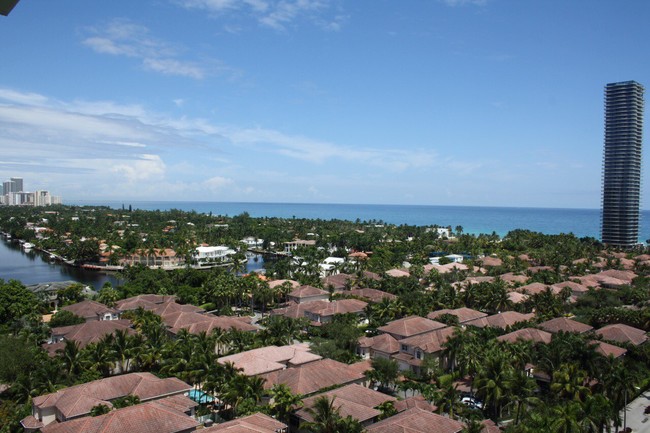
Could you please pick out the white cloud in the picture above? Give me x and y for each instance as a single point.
(149, 167)
(124, 38)
(217, 183)
(275, 14)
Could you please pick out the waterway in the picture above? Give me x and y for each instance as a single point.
(33, 267)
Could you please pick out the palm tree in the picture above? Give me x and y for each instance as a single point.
(523, 390)
(325, 416)
(492, 383)
(566, 418)
(72, 357)
(283, 402)
(570, 382)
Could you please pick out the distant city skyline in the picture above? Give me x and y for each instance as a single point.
(434, 102)
(12, 193)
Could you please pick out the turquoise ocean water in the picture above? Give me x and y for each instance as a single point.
(473, 219)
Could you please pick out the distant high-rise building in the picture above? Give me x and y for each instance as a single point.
(8, 187)
(18, 184)
(622, 163)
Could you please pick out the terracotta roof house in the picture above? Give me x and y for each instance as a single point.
(621, 333)
(308, 294)
(255, 423)
(147, 417)
(517, 298)
(501, 320)
(147, 302)
(488, 261)
(576, 288)
(86, 333)
(626, 276)
(449, 267)
(513, 278)
(416, 401)
(196, 323)
(527, 334)
(91, 310)
(414, 349)
(271, 358)
(398, 273)
(338, 282)
(161, 258)
(410, 326)
(563, 324)
(353, 400)
(77, 401)
(310, 378)
(373, 296)
(532, 288)
(464, 314)
(416, 420)
(320, 312)
(275, 283)
(607, 350)
(379, 346)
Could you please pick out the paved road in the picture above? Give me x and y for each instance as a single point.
(636, 419)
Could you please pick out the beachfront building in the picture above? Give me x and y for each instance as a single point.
(622, 163)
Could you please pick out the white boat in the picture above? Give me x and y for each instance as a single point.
(28, 246)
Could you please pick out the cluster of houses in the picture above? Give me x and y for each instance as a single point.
(165, 404)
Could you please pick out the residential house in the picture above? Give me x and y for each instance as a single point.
(85, 333)
(215, 254)
(501, 320)
(307, 379)
(409, 327)
(91, 310)
(416, 420)
(527, 334)
(623, 334)
(564, 324)
(77, 401)
(308, 294)
(158, 257)
(379, 346)
(356, 401)
(292, 246)
(373, 296)
(430, 345)
(255, 423)
(156, 416)
(271, 358)
(464, 314)
(321, 312)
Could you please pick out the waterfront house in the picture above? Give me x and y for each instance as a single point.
(158, 257)
(213, 254)
(292, 246)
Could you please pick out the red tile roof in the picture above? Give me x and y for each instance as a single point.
(78, 400)
(255, 423)
(565, 325)
(527, 334)
(410, 326)
(314, 376)
(430, 342)
(149, 417)
(89, 310)
(501, 320)
(91, 332)
(464, 314)
(621, 333)
(352, 400)
(416, 420)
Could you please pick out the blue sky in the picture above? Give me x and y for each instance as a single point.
(443, 102)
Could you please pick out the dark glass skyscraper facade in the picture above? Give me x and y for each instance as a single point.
(622, 163)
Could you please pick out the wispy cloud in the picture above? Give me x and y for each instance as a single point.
(122, 37)
(464, 2)
(275, 14)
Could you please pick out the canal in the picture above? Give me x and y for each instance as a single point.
(33, 267)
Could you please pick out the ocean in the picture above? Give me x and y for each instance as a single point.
(473, 219)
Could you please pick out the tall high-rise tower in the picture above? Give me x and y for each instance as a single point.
(18, 184)
(622, 163)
